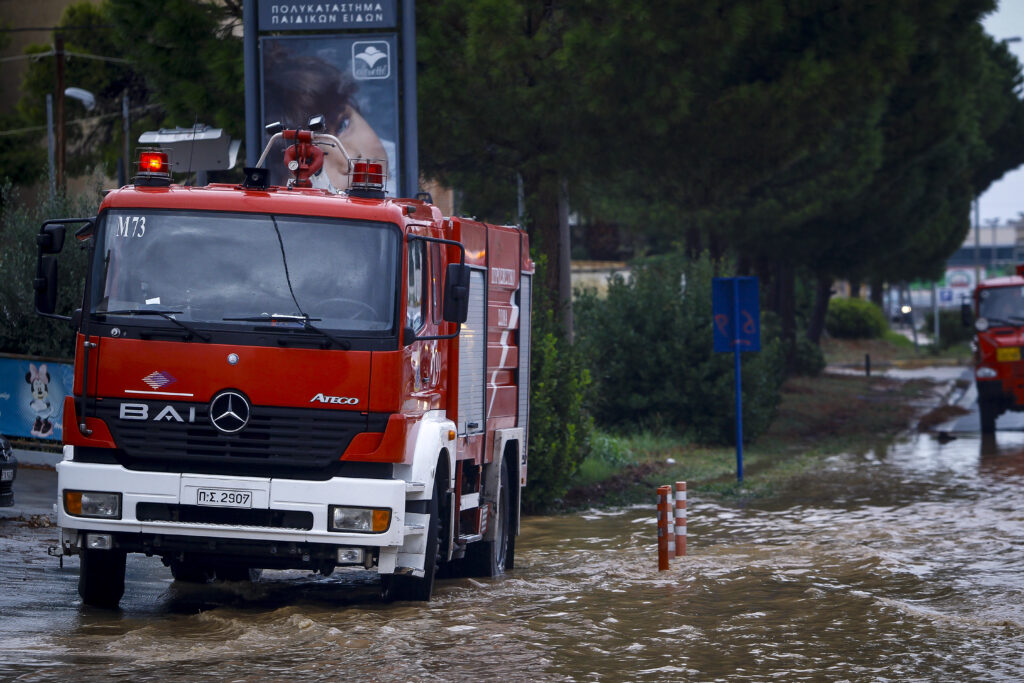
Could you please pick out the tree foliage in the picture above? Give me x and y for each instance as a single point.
(836, 138)
(176, 65)
(21, 330)
(650, 347)
(561, 427)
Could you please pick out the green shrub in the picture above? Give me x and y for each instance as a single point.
(560, 426)
(952, 330)
(649, 344)
(21, 330)
(854, 319)
(808, 358)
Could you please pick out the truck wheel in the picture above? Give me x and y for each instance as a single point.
(101, 578)
(188, 571)
(401, 587)
(492, 558)
(231, 572)
(987, 410)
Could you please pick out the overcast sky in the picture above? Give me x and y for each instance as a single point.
(1005, 198)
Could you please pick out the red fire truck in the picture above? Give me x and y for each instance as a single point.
(998, 317)
(291, 377)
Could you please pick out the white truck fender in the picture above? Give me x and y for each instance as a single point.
(492, 472)
(432, 434)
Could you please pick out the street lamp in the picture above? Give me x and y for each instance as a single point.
(83, 96)
(88, 100)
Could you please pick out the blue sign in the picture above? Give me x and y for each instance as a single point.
(736, 313)
(32, 397)
(286, 15)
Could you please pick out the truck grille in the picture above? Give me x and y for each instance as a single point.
(275, 439)
(193, 514)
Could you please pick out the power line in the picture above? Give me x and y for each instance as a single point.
(88, 119)
(55, 28)
(51, 53)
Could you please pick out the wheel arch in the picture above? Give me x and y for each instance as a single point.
(509, 449)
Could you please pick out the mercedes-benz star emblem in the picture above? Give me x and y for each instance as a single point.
(229, 411)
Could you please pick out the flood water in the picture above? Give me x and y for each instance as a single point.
(905, 564)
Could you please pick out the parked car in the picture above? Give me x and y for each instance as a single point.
(8, 471)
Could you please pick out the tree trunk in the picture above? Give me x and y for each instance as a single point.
(786, 291)
(877, 291)
(565, 259)
(694, 244)
(816, 325)
(547, 203)
(786, 301)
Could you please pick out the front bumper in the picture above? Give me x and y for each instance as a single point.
(160, 514)
(8, 473)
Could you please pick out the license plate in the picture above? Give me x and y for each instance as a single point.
(231, 498)
(1008, 354)
(6, 475)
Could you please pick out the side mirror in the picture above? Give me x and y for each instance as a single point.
(456, 293)
(45, 285)
(50, 239)
(966, 314)
(85, 233)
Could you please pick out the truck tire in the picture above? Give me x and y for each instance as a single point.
(492, 558)
(402, 587)
(101, 578)
(189, 571)
(231, 572)
(987, 411)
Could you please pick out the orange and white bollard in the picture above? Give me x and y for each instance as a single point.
(670, 530)
(663, 527)
(680, 519)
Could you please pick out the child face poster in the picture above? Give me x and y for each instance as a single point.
(352, 80)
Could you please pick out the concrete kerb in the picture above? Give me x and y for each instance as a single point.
(47, 459)
(956, 385)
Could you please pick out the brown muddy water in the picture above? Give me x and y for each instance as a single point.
(897, 565)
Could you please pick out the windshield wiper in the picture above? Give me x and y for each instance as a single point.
(1009, 321)
(303, 320)
(167, 315)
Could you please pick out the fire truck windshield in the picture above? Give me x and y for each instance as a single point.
(227, 268)
(1002, 304)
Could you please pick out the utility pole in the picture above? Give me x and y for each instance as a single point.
(59, 102)
(126, 125)
(50, 146)
(977, 242)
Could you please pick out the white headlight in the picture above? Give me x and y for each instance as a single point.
(986, 373)
(981, 324)
(361, 520)
(92, 504)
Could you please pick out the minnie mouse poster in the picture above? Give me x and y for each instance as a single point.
(39, 380)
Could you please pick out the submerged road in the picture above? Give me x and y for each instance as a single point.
(901, 562)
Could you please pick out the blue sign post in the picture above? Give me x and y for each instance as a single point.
(736, 312)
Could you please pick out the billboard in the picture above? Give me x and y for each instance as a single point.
(286, 15)
(32, 397)
(353, 81)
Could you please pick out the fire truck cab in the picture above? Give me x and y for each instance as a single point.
(291, 377)
(997, 314)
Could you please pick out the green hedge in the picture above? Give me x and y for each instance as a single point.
(855, 319)
(560, 425)
(952, 330)
(649, 344)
